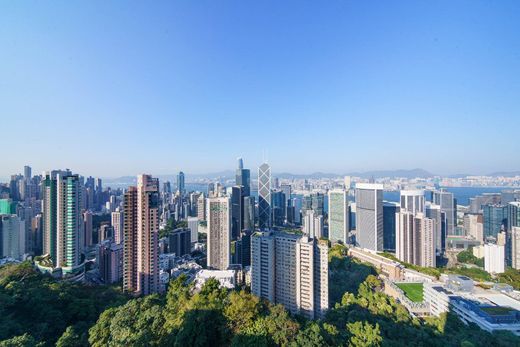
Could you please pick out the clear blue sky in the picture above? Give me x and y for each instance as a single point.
(117, 88)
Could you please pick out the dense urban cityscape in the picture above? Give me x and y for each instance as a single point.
(222, 173)
(274, 238)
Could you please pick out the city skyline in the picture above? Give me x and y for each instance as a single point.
(337, 87)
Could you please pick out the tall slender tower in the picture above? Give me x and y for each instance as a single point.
(338, 216)
(219, 233)
(180, 183)
(369, 216)
(141, 239)
(63, 222)
(264, 196)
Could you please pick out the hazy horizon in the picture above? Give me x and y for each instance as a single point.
(111, 89)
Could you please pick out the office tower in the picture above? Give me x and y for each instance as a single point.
(318, 203)
(513, 215)
(87, 226)
(369, 216)
(312, 291)
(179, 242)
(448, 204)
(389, 224)
(313, 225)
(278, 208)
(263, 265)
(25, 214)
(476, 203)
(167, 187)
(264, 196)
(62, 220)
(515, 247)
(117, 225)
(296, 203)
(243, 178)
(8, 206)
(413, 200)
(180, 183)
(415, 239)
(439, 225)
(494, 258)
(141, 244)
(249, 213)
(12, 236)
(110, 260)
(27, 172)
(290, 270)
(37, 228)
(245, 245)
(338, 216)
(495, 219)
(201, 207)
(237, 210)
(219, 233)
(193, 225)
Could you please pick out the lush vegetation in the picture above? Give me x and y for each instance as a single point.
(414, 291)
(36, 309)
(511, 277)
(467, 257)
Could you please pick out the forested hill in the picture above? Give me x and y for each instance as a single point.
(37, 311)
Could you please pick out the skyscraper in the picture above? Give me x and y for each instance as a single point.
(338, 216)
(27, 172)
(219, 233)
(291, 270)
(389, 225)
(180, 183)
(415, 239)
(12, 236)
(412, 200)
(141, 244)
(243, 178)
(438, 217)
(369, 216)
(495, 219)
(264, 196)
(117, 225)
(313, 225)
(63, 222)
(237, 211)
(448, 205)
(515, 247)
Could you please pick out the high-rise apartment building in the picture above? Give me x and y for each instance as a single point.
(141, 229)
(264, 196)
(291, 270)
(117, 222)
(338, 216)
(415, 239)
(438, 216)
(494, 258)
(201, 207)
(12, 236)
(88, 228)
(313, 225)
(62, 220)
(110, 260)
(219, 233)
(515, 247)
(369, 216)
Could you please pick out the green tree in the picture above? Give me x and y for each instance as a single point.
(364, 334)
(241, 311)
(24, 340)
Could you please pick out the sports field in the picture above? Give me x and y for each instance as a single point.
(414, 291)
